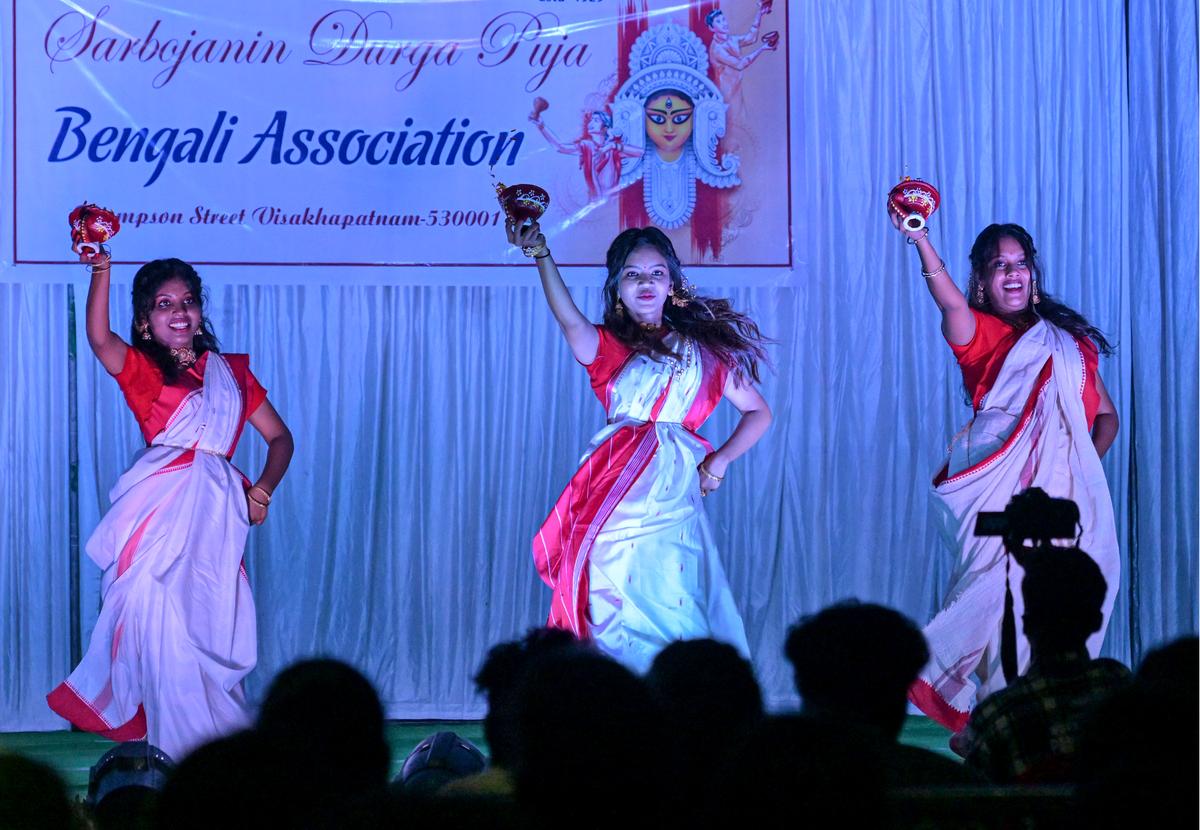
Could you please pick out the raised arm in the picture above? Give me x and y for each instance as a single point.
(279, 455)
(568, 149)
(581, 335)
(756, 417)
(753, 30)
(108, 346)
(958, 323)
(733, 59)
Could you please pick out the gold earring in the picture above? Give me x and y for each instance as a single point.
(199, 330)
(619, 309)
(979, 298)
(145, 330)
(1034, 293)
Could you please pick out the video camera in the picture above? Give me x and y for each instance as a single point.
(1030, 515)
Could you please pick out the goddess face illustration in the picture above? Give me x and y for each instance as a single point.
(671, 108)
(669, 122)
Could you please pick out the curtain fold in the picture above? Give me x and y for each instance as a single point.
(35, 550)
(1164, 263)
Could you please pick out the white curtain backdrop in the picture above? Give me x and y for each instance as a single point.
(435, 425)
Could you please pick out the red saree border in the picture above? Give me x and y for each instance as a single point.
(922, 695)
(67, 703)
(559, 549)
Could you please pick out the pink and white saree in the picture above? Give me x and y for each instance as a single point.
(628, 548)
(176, 632)
(1030, 431)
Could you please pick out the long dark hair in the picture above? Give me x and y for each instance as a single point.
(1066, 318)
(146, 282)
(730, 335)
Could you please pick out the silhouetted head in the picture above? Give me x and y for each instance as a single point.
(711, 702)
(32, 795)
(1139, 750)
(240, 775)
(328, 717)
(706, 685)
(591, 740)
(855, 661)
(1064, 594)
(1173, 666)
(501, 674)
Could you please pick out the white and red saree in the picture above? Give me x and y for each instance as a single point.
(176, 632)
(1030, 430)
(628, 549)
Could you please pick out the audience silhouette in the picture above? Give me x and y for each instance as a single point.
(711, 702)
(576, 738)
(1029, 732)
(853, 664)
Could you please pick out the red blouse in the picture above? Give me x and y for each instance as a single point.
(612, 355)
(153, 401)
(981, 358)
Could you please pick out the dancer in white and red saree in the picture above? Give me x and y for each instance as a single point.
(176, 632)
(1042, 419)
(628, 549)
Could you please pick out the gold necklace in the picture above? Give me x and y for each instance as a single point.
(184, 356)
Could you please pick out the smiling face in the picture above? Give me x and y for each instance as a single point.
(1007, 278)
(174, 316)
(644, 283)
(669, 123)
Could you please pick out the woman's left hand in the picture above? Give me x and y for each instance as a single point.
(257, 513)
(711, 471)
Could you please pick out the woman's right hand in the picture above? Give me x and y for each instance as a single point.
(898, 218)
(100, 260)
(524, 236)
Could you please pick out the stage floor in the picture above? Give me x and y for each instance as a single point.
(73, 753)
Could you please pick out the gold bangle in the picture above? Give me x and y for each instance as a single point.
(536, 251)
(262, 490)
(940, 270)
(705, 471)
(259, 503)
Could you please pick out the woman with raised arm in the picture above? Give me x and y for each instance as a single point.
(628, 549)
(600, 154)
(176, 633)
(1042, 419)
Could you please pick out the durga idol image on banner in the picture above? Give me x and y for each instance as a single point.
(668, 137)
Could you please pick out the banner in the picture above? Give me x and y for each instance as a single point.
(357, 134)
